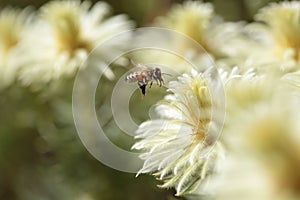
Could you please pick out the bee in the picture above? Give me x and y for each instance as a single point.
(145, 76)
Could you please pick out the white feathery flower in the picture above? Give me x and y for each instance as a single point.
(178, 148)
(198, 21)
(262, 139)
(13, 24)
(279, 36)
(65, 34)
(205, 36)
(191, 19)
(267, 137)
(293, 80)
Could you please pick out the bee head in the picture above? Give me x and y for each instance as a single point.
(157, 73)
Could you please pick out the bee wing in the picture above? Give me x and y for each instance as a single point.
(138, 65)
(141, 67)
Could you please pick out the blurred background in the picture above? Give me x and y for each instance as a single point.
(42, 160)
(143, 12)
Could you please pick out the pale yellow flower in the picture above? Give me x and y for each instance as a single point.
(13, 25)
(191, 19)
(199, 35)
(283, 20)
(278, 36)
(293, 80)
(65, 34)
(179, 148)
(261, 134)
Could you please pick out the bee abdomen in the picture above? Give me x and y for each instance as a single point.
(132, 77)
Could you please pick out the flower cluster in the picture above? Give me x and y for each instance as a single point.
(277, 30)
(228, 125)
(202, 33)
(262, 136)
(261, 130)
(56, 41)
(13, 25)
(175, 143)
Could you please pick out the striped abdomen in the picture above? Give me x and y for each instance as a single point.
(139, 76)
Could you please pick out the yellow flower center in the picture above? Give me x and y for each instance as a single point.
(9, 30)
(201, 92)
(64, 20)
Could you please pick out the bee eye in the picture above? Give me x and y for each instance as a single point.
(157, 72)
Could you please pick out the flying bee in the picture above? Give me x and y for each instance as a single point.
(145, 76)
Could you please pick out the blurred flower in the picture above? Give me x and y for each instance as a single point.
(179, 148)
(65, 34)
(293, 80)
(199, 35)
(191, 19)
(245, 90)
(262, 139)
(279, 35)
(13, 24)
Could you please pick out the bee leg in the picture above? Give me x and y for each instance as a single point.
(151, 84)
(160, 82)
(142, 86)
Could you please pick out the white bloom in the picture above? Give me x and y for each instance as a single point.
(191, 19)
(65, 34)
(279, 36)
(261, 134)
(204, 37)
(198, 21)
(264, 147)
(179, 148)
(13, 24)
(293, 80)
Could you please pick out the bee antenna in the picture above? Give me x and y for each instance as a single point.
(166, 74)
